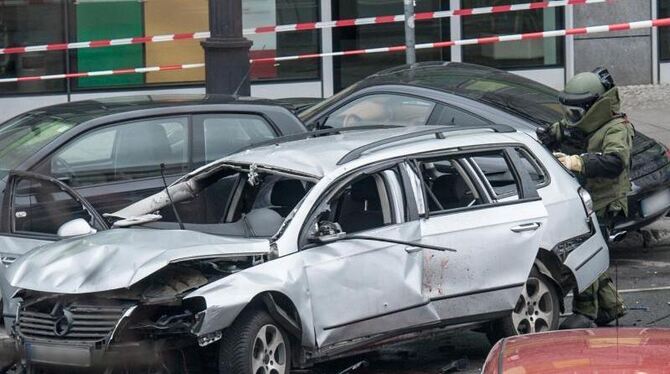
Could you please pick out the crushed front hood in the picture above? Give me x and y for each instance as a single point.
(119, 258)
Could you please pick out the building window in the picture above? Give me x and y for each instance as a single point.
(664, 32)
(530, 53)
(23, 25)
(349, 69)
(46, 22)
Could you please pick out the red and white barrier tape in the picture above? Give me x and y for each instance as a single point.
(103, 73)
(418, 16)
(661, 22)
(299, 26)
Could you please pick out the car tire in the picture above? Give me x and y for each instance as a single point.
(255, 344)
(537, 310)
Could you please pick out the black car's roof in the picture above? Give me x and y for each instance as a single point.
(82, 111)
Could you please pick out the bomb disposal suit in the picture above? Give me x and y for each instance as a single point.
(594, 141)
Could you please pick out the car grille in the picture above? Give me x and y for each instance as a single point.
(73, 323)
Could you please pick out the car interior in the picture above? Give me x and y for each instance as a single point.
(362, 204)
(256, 207)
(449, 188)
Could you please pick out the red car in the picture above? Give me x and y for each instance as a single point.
(605, 350)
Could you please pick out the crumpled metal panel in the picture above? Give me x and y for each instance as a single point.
(12, 248)
(226, 297)
(119, 258)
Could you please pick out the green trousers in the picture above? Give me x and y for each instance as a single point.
(600, 301)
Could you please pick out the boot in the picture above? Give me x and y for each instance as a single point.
(577, 321)
(605, 317)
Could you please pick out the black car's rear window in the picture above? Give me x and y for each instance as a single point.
(507, 91)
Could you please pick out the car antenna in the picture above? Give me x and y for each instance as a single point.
(167, 191)
(239, 86)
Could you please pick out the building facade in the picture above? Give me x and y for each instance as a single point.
(635, 57)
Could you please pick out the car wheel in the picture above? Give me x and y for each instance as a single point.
(255, 344)
(536, 310)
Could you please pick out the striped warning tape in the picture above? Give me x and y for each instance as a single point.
(661, 22)
(418, 16)
(298, 26)
(103, 73)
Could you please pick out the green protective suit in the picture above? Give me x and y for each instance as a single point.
(602, 131)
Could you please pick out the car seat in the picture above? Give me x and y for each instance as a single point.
(141, 148)
(286, 194)
(451, 191)
(361, 207)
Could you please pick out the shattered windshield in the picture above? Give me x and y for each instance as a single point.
(22, 137)
(232, 200)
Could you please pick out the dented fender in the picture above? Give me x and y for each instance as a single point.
(226, 298)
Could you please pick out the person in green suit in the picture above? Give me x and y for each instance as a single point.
(594, 141)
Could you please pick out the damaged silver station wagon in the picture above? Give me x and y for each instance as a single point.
(327, 246)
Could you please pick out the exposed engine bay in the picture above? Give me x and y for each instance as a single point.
(131, 327)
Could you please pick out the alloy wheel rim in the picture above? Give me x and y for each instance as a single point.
(269, 352)
(534, 312)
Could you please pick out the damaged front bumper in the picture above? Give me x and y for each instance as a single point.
(94, 335)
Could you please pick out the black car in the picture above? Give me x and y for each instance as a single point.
(74, 160)
(443, 93)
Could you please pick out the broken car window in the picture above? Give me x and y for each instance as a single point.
(448, 187)
(497, 172)
(239, 201)
(362, 204)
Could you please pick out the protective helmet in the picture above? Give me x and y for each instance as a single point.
(582, 92)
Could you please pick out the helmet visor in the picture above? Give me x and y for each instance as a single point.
(573, 114)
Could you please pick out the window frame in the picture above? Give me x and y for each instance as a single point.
(537, 164)
(527, 189)
(321, 121)
(8, 221)
(44, 165)
(343, 181)
(442, 107)
(197, 131)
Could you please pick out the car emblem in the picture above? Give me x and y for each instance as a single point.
(63, 324)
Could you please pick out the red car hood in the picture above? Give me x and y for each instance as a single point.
(605, 350)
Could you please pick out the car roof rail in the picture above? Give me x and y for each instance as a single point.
(310, 134)
(439, 133)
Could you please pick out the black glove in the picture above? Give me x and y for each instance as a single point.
(545, 136)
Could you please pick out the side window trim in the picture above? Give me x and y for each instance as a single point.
(440, 108)
(394, 190)
(537, 164)
(44, 165)
(528, 189)
(332, 190)
(14, 178)
(324, 118)
(476, 177)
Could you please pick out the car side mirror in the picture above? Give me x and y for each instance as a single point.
(76, 227)
(327, 232)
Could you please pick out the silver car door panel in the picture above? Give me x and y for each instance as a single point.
(491, 259)
(358, 288)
